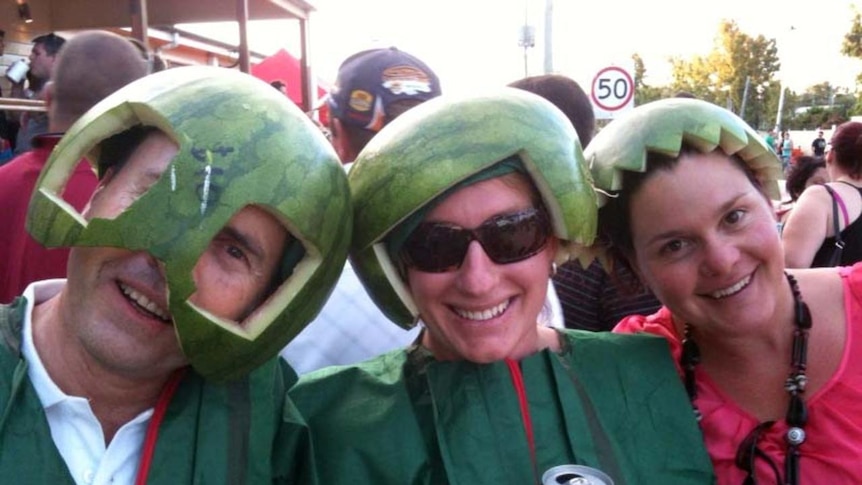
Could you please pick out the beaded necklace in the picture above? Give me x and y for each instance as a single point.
(797, 413)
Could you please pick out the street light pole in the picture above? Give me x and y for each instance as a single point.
(526, 40)
(744, 97)
(781, 95)
(527, 37)
(549, 34)
(780, 108)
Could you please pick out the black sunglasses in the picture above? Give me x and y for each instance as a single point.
(438, 247)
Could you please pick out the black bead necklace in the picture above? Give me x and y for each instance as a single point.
(797, 413)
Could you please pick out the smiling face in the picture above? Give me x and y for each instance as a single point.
(705, 242)
(483, 311)
(118, 298)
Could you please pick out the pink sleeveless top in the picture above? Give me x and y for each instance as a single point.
(832, 452)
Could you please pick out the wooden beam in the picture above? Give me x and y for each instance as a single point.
(16, 104)
(140, 23)
(242, 19)
(293, 8)
(309, 89)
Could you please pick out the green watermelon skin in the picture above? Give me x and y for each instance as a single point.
(444, 141)
(240, 143)
(662, 126)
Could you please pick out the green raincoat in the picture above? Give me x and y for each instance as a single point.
(611, 402)
(210, 435)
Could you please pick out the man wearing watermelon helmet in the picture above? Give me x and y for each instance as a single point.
(498, 192)
(199, 256)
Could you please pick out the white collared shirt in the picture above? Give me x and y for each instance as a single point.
(74, 428)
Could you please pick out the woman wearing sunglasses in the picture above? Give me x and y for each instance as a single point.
(771, 358)
(461, 208)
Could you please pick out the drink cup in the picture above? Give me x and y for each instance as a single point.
(17, 70)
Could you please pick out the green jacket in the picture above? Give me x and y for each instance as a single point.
(612, 402)
(210, 435)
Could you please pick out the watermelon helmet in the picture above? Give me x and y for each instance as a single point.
(663, 126)
(438, 144)
(240, 143)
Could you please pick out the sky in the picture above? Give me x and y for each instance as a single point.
(473, 44)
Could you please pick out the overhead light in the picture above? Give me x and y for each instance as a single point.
(24, 12)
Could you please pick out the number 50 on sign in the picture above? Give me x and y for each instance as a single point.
(612, 92)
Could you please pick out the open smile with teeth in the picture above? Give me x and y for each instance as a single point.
(145, 304)
(731, 290)
(486, 314)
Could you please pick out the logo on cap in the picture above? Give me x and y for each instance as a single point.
(407, 80)
(360, 100)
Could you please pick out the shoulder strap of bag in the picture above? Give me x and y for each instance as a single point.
(841, 201)
(839, 244)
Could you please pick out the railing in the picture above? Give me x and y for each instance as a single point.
(15, 104)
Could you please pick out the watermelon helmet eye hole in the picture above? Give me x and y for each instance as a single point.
(243, 265)
(131, 177)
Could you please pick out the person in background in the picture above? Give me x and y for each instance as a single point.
(2, 48)
(786, 145)
(770, 140)
(279, 86)
(771, 358)
(155, 361)
(568, 96)
(43, 55)
(809, 233)
(7, 127)
(807, 171)
(73, 91)
(496, 192)
(818, 146)
(588, 297)
(372, 88)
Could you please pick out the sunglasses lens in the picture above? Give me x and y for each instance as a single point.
(514, 237)
(436, 247)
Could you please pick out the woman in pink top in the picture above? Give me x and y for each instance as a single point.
(772, 359)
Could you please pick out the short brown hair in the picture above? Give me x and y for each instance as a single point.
(847, 147)
(568, 97)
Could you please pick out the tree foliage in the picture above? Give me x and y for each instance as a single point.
(720, 76)
(643, 92)
(852, 47)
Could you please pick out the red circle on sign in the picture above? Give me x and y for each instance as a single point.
(625, 101)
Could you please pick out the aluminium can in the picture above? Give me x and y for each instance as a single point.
(575, 475)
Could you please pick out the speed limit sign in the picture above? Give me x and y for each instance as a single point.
(612, 92)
